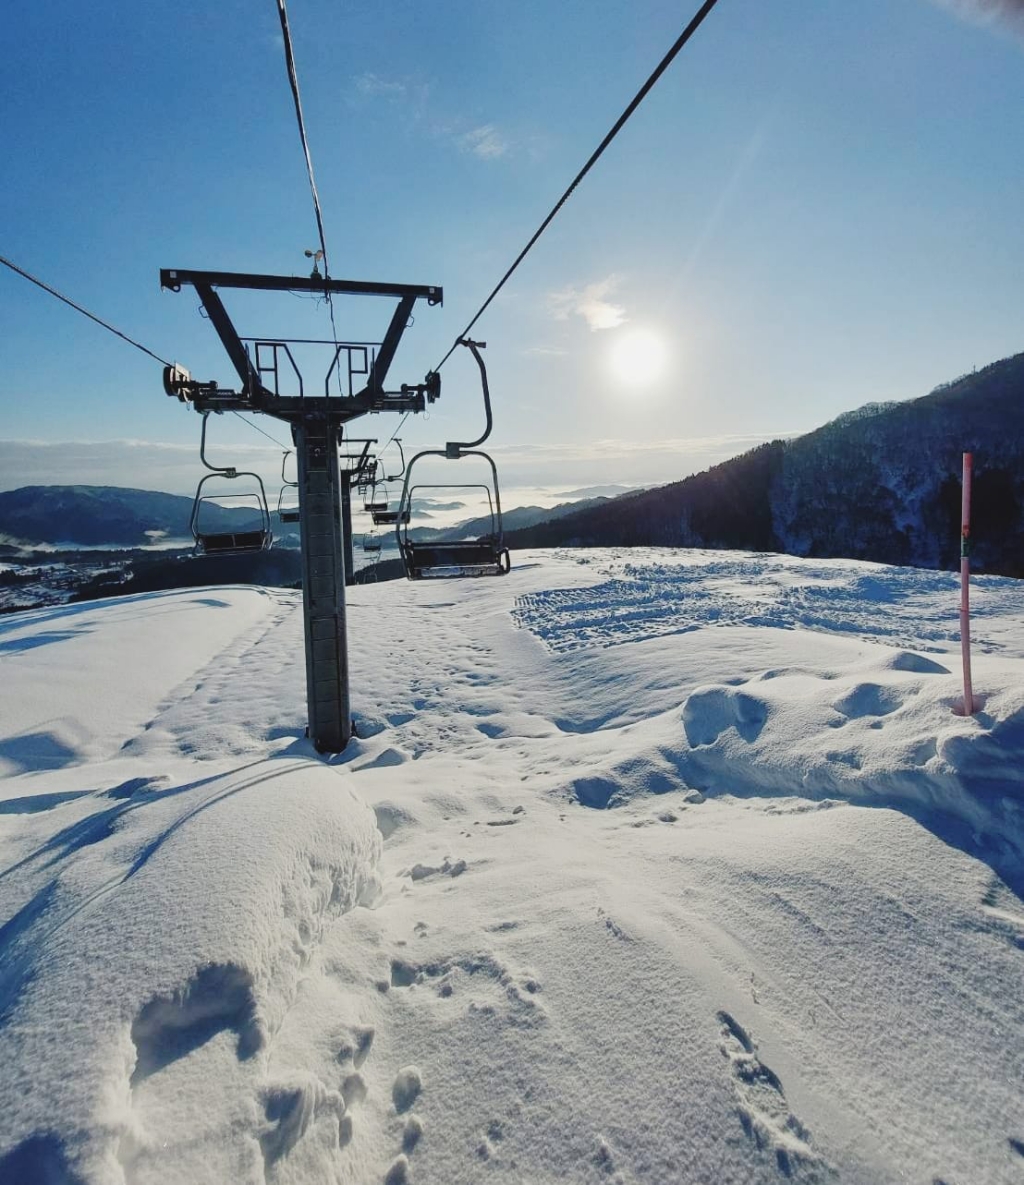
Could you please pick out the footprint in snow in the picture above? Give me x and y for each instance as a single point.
(291, 1108)
(763, 1111)
(406, 1088)
(412, 1133)
(519, 991)
(404, 1092)
(398, 1174)
(354, 1089)
(448, 867)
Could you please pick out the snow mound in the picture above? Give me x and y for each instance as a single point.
(165, 936)
(847, 717)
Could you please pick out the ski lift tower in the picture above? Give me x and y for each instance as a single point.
(317, 423)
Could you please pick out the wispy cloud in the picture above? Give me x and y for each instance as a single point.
(373, 86)
(410, 96)
(590, 303)
(626, 462)
(987, 12)
(484, 141)
(137, 464)
(545, 351)
(175, 468)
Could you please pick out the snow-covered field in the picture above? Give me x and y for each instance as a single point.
(646, 867)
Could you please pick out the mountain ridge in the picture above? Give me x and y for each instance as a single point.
(879, 483)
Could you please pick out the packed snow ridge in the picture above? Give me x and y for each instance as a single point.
(645, 867)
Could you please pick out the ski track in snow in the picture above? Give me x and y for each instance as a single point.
(654, 599)
(613, 795)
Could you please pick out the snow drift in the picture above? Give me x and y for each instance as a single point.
(593, 897)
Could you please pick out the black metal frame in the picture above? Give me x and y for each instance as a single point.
(254, 394)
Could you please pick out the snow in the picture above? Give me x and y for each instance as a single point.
(646, 867)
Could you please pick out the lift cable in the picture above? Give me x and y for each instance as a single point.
(85, 312)
(123, 336)
(663, 65)
(258, 429)
(293, 80)
(395, 433)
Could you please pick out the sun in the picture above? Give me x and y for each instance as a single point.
(638, 357)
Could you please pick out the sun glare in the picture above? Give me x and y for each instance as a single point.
(638, 357)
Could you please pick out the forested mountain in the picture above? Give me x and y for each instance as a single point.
(881, 483)
(89, 516)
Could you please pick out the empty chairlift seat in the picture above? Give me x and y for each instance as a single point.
(486, 555)
(288, 498)
(214, 519)
(229, 521)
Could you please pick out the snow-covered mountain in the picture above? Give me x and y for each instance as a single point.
(881, 483)
(646, 867)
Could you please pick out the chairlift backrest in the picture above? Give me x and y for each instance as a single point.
(216, 537)
(483, 556)
(212, 534)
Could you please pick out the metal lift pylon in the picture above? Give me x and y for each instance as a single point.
(317, 424)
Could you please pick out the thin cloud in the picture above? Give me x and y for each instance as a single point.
(624, 462)
(590, 303)
(485, 142)
(988, 12)
(373, 86)
(137, 464)
(723, 445)
(545, 351)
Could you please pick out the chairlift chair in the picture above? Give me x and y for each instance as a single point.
(372, 543)
(483, 556)
(397, 476)
(213, 539)
(376, 499)
(388, 518)
(287, 510)
(382, 515)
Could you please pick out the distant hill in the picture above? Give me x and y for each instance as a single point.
(87, 516)
(91, 516)
(512, 520)
(880, 483)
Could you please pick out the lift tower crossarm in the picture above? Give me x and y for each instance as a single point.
(254, 396)
(173, 278)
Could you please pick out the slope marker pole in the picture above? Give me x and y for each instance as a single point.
(965, 583)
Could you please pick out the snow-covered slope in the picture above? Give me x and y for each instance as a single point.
(646, 867)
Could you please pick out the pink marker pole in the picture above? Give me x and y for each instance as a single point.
(965, 583)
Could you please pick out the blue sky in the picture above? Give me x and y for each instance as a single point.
(818, 206)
